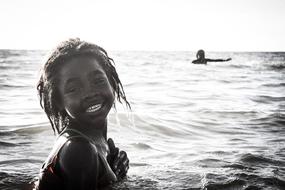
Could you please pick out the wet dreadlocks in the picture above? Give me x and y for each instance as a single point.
(47, 88)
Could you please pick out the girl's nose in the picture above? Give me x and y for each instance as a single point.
(89, 96)
(89, 90)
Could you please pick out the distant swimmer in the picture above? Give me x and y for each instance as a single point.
(202, 60)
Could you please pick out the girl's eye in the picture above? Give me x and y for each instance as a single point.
(70, 90)
(98, 81)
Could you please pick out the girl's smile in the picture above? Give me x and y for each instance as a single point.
(84, 90)
(94, 108)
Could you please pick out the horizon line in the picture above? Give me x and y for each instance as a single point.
(138, 50)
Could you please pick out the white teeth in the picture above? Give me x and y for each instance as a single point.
(93, 108)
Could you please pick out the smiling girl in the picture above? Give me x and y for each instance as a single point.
(77, 89)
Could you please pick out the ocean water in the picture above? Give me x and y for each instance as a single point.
(217, 126)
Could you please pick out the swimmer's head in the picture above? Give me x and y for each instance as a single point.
(200, 54)
(62, 56)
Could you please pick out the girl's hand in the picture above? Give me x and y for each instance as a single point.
(118, 160)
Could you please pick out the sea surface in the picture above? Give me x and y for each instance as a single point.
(216, 126)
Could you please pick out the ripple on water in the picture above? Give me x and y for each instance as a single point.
(235, 184)
(259, 182)
(16, 181)
(7, 144)
(258, 159)
(142, 146)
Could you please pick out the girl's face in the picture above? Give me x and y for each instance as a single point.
(84, 89)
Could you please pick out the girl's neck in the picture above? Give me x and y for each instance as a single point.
(95, 132)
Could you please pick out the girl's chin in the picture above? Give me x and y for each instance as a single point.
(97, 121)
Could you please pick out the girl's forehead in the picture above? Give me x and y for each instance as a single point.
(80, 65)
(84, 62)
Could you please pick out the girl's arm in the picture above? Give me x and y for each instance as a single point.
(78, 161)
(218, 60)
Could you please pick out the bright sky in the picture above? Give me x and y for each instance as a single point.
(213, 25)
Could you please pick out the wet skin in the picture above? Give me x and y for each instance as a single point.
(87, 97)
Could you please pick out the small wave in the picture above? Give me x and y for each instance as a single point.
(159, 127)
(7, 144)
(142, 146)
(235, 184)
(277, 140)
(258, 182)
(257, 159)
(148, 63)
(12, 86)
(6, 53)
(233, 112)
(273, 181)
(237, 166)
(136, 183)
(210, 162)
(20, 161)
(274, 121)
(245, 181)
(267, 99)
(15, 181)
(6, 67)
(282, 84)
(139, 164)
(278, 67)
(239, 66)
(219, 152)
(225, 81)
(31, 130)
(237, 140)
(5, 133)
(24, 129)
